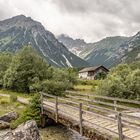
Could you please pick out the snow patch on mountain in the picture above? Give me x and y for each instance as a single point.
(67, 61)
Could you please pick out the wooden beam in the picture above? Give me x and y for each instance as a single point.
(120, 131)
(115, 105)
(41, 99)
(56, 109)
(80, 118)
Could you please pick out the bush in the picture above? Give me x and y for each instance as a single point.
(28, 72)
(26, 67)
(123, 82)
(32, 111)
(54, 87)
(13, 98)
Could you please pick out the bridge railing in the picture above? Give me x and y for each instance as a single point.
(84, 105)
(114, 103)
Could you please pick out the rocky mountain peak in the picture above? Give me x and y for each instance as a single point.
(20, 31)
(19, 21)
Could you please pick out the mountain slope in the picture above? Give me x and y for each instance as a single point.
(19, 31)
(132, 51)
(105, 52)
(76, 46)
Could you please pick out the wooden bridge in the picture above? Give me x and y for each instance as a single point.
(93, 116)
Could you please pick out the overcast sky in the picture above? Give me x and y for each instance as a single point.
(91, 20)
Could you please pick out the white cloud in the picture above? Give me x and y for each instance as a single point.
(87, 19)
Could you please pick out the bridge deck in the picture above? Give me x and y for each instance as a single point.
(103, 124)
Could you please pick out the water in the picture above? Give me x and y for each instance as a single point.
(60, 133)
(55, 133)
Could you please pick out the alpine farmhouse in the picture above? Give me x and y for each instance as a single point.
(91, 73)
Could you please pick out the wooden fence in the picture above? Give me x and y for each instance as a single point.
(115, 110)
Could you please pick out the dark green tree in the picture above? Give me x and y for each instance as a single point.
(5, 60)
(122, 81)
(26, 68)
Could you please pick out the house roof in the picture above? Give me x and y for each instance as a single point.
(92, 69)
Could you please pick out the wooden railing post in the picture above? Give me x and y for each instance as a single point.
(41, 98)
(120, 131)
(43, 117)
(115, 105)
(80, 118)
(56, 109)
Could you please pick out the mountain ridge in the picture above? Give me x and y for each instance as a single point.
(109, 51)
(20, 31)
(103, 52)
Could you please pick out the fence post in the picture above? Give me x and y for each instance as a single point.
(115, 105)
(120, 131)
(43, 117)
(56, 109)
(42, 112)
(80, 118)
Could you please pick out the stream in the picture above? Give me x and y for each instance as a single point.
(55, 133)
(60, 133)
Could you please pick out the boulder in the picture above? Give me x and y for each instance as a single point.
(26, 131)
(9, 117)
(4, 125)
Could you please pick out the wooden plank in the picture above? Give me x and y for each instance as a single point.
(101, 109)
(47, 95)
(67, 100)
(80, 118)
(115, 105)
(130, 126)
(69, 106)
(101, 116)
(104, 103)
(41, 98)
(106, 97)
(56, 109)
(130, 116)
(98, 126)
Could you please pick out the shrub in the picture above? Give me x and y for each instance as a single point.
(54, 87)
(123, 82)
(26, 67)
(32, 111)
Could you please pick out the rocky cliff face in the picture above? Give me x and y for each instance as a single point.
(104, 52)
(132, 49)
(20, 31)
(108, 51)
(76, 46)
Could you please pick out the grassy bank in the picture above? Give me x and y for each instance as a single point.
(19, 94)
(86, 86)
(6, 105)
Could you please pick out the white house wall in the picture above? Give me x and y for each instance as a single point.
(83, 75)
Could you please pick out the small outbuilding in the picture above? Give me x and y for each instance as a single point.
(93, 72)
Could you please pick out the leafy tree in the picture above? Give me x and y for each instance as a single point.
(26, 68)
(122, 81)
(5, 60)
(101, 75)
